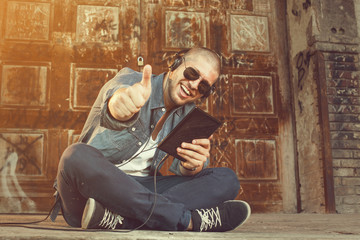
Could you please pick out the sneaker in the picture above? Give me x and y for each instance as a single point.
(225, 217)
(95, 216)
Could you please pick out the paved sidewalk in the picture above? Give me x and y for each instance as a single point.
(259, 226)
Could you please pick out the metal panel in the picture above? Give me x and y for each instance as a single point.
(86, 84)
(184, 29)
(97, 24)
(252, 94)
(21, 159)
(34, 23)
(24, 85)
(25, 149)
(249, 33)
(56, 57)
(256, 159)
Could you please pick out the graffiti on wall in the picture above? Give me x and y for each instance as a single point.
(249, 33)
(97, 24)
(21, 155)
(27, 21)
(302, 66)
(185, 29)
(252, 94)
(256, 159)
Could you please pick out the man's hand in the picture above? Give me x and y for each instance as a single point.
(126, 102)
(195, 154)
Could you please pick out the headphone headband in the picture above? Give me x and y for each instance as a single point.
(178, 59)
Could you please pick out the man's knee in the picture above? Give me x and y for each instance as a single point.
(228, 179)
(78, 155)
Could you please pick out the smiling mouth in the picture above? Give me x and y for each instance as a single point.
(186, 91)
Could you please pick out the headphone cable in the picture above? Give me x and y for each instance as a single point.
(21, 224)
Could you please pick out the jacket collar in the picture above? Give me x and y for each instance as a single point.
(157, 91)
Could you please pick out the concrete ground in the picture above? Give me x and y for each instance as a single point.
(259, 226)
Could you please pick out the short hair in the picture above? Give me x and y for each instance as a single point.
(210, 55)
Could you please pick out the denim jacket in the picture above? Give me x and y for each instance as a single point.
(118, 141)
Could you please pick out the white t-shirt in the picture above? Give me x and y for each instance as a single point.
(139, 163)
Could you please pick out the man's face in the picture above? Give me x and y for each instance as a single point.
(179, 90)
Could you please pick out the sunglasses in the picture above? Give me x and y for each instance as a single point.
(192, 74)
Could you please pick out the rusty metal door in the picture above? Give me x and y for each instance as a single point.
(56, 54)
(252, 97)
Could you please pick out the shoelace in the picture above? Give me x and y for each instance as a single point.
(209, 218)
(110, 220)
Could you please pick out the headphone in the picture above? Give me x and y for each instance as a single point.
(178, 59)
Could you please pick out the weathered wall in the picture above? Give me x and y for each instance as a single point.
(344, 101)
(309, 144)
(54, 57)
(324, 54)
(338, 43)
(53, 62)
(56, 54)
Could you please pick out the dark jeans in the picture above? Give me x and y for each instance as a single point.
(85, 173)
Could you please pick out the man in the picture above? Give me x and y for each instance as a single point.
(106, 180)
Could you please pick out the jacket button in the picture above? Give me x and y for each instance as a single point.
(139, 143)
(163, 109)
(133, 129)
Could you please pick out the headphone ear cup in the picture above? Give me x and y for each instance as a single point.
(176, 63)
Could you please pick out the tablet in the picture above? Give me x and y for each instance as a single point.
(195, 125)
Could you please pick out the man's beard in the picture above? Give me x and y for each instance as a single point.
(171, 86)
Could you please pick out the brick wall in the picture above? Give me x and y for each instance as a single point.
(327, 102)
(344, 116)
(336, 38)
(343, 81)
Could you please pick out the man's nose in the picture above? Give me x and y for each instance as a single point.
(195, 83)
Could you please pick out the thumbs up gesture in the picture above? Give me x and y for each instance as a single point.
(126, 102)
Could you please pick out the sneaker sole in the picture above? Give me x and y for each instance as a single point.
(248, 210)
(88, 213)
